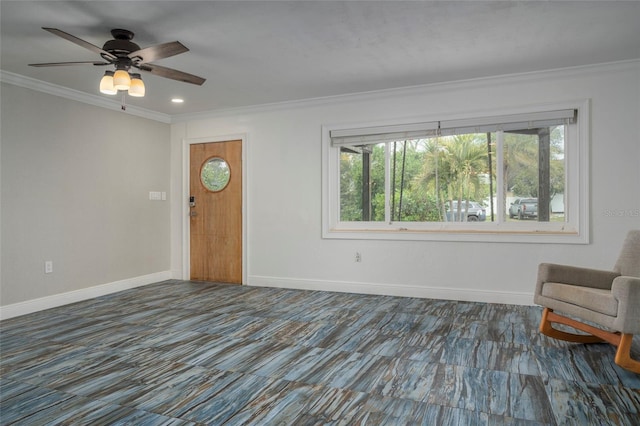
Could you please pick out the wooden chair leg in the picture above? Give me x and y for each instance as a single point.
(622, 341)
(548, 316)
(623, 355)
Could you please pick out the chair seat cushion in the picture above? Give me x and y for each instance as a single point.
(594, 299)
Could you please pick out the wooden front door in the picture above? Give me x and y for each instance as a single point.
(216, 211)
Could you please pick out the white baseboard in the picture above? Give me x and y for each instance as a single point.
(42, 303)
(462, 294)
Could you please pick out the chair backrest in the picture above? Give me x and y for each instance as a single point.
(628, 263)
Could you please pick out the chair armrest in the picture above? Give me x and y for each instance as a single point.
(626, 290)
(585, 277)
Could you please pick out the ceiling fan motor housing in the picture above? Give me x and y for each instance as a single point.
(122, 44)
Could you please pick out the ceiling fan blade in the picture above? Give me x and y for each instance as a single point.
(171, 73)
(80, 42)
(159, 51)
(60, 64)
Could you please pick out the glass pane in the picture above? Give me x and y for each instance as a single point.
(412, 195)
(534, 174)
(454, 182)
(215, 174)
(362, 183)
(441, 179)
(453, 178)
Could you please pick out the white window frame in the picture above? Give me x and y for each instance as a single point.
(574, 230)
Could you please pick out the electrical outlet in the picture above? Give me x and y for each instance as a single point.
(358, 257)
(48, 266)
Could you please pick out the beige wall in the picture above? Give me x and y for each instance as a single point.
(75, 183)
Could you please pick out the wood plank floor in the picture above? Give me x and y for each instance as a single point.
(180, 352)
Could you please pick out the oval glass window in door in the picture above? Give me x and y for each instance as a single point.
(215, 174)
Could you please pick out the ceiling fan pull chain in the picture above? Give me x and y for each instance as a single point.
(123, 106)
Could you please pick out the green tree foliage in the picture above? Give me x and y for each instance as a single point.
(428, 175)
(452, 170)
(521, 163)
(351, 183)
(350, 186)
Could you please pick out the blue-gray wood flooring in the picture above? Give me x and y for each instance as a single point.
(180, 352)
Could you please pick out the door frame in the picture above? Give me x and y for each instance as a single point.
(186, 223)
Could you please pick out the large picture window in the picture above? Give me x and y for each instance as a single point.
(518, 175)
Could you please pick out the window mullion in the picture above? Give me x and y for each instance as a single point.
(387, 183)
(500, 193)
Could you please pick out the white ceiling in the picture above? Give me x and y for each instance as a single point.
(262, 52)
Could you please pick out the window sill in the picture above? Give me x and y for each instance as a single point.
(471, 232)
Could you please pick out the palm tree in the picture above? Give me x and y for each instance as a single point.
(468, 159)
(435, 175)
(452, 168)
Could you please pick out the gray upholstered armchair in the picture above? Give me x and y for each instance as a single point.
(609, 299)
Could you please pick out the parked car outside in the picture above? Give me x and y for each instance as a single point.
(476, 212)
(524, 208)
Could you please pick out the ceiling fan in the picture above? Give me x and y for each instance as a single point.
(124, 54)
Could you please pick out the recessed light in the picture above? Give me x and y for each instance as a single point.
(177, 100)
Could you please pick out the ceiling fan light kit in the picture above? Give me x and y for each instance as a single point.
(137, 86)
(121, 80)
(124, 54)
(106, 84)
(112, 82)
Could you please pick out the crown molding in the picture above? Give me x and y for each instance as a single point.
(75, 95)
